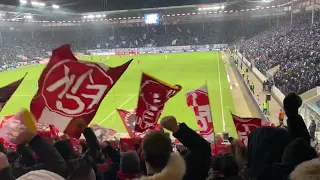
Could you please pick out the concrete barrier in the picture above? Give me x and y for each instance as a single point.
(253, 99)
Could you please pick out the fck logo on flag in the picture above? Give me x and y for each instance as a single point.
(244, 126)
(153, 96)
(198, 101)
(70, 89)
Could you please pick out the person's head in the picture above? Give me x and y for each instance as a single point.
(296, 152)
(229, 166)
(291, 104)
(156, 149)
(312, 121)
(280, 110)
(129, 165)
(265, 148)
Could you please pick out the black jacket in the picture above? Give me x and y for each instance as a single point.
(50, 158)
(198, 159)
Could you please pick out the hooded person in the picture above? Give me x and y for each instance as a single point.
(265, 148)
(295, 124)
(161, 162)
(129, 166)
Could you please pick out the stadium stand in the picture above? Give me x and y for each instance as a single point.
(295, 48)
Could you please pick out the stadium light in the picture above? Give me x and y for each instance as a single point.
(98, 15)
(42, 4)
(222, 7)
(84, 17)
(104, 15)
(90, 16)
(23, 2)
(35, 3)
(54, 6)
(28, 17)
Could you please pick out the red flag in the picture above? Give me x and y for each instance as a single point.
(198, 101)
(244, 126)
(70, 90)
(128, 118)
(53, 130)
(102, 133)
(129, 142)
(153, 96)
(7, 91)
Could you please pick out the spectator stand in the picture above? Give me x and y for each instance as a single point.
(310, 109)
(259, 96)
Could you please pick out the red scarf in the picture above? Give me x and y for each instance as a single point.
(127, 176)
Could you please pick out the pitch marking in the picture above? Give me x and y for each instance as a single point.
(116, 110)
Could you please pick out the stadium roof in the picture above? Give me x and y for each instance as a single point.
(81, 6)
(64, 13)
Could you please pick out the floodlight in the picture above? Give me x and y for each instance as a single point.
(54, 6)
(222, 7)
(23, 2)
(104, 15)
(90, 16)
(42, 4)
(35, 3)
(98, 15)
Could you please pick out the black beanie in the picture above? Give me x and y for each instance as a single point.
(297, 152)
(129, 163)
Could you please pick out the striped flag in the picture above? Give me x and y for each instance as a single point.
(198, 101)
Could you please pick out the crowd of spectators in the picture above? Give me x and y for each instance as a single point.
(295, 48)
(32, 44)
(272, 153)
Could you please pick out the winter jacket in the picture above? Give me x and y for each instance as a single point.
(198, 159)
(50, 158)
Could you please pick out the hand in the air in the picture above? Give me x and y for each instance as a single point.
(170, 123)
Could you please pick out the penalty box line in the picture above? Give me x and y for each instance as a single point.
(106, 118)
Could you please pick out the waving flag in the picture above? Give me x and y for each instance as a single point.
(102, 133)
(128, 118)
(153, 96)
(244, 126)
(13, 128)
(198, 101)
(7, 91)
(70, 90)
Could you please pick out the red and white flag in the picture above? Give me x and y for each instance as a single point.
(244, 126)
(102, 133)
(7, 91)
(70, 89)
(128, 118)
(198, 101)
(154, 94)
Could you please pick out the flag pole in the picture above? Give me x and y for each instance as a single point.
(214, 133)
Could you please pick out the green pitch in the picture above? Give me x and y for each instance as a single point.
(191, 70)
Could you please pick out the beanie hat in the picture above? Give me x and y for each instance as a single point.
(41, 175)
(129, 165)
(229, 166)
(297, 152)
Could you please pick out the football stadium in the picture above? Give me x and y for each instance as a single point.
(174, 90)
